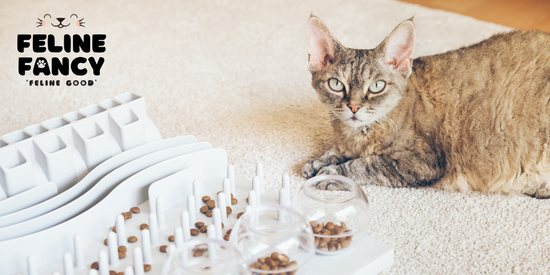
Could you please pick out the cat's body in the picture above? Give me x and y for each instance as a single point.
(476, 118)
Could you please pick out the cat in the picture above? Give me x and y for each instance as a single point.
(472, 119)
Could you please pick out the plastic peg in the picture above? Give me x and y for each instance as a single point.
(185, 225)
(31, 266)
(78, 252)
(231, 177)
(286, 181)
(260, 174)
(223, 206)
(146, 246)
(256, 186)
(197, 185)
(178, 237)
(192, 210)
(216, 216)
(227, 190)
(252, 197)
(138, 262)
(92, 272)
(128, 271)
(113, 249)
(211, 246)
(103, 263)
(154, 229)
(68, 266)
(161, 218)
(171, 249)
(121, 231)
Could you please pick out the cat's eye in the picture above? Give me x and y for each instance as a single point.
(335, 85)
(377, 86)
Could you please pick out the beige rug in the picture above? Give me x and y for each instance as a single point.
(234, 73)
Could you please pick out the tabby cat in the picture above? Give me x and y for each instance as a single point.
(472, 119)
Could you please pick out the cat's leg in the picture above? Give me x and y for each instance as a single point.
(331, 157)
(405, 169)
(543, 192)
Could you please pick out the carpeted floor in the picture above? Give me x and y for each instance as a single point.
(234, 73)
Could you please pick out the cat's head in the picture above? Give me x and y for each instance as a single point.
(360, 87)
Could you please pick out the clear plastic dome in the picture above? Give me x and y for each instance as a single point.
(274, 239)
(335, 216)
(205, 256)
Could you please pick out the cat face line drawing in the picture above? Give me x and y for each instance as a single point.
(59, 23)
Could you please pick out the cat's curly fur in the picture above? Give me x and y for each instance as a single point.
(476, 118)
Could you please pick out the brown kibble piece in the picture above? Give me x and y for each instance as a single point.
(112, 272)
(121, 255)
(219, 192)
(329, 226)
(163, 248)
(234, 201)
(209, 213)
(246, 200)
(211, 204)
(135, 210)
(226, 237)
(239, 215)
(207, 267)
(120, 273)
(229, 231)
(223, 225)
(114, 229)
(95, 265)
(106, 242)
(122, 248)
(146, 267)
(194, 232)
(275, 256)
(229, 210)
(132, 239)
(204, 209)
(264, 267)
(171, 238)
(203, 229)
(197, 254)
(313, 223)
(205, 198)
(128, 215)
(143, 226)
(199, 224)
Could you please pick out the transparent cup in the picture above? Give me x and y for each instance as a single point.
(335, 216)
(274, 239)
(205, 256)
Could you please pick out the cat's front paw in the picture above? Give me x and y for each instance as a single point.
(331, 185)
(330, 170)
(309, 171)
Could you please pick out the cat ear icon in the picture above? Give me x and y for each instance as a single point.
(79, 22)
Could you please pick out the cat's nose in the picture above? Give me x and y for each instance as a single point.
(354, 108)
(60, 19)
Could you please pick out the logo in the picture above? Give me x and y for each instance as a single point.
(60, 58)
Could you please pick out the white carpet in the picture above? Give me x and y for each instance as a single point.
(234, 73)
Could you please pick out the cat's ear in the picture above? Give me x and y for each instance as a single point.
(321, 45)
(397, 49)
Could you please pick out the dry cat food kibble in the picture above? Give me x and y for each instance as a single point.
(135, 210)
(95, 265)
(330, 243)
(204, 209)
(121, 255)
(106, 242)
(114, 228)
(128, 215)
(209, 213)
(163, 248)
(199, 224)
(197, 252)
(239, 215)
(122, 248)
(143, 226)
(229, 210)
(112, 272)
(211, 204)
(120, 273)
(205, 198)
(146, 267)
(227, 234)
(203, 229)
(274, 262)
(194, 232)
(171, 238)
(234, 201)
(132, 239)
